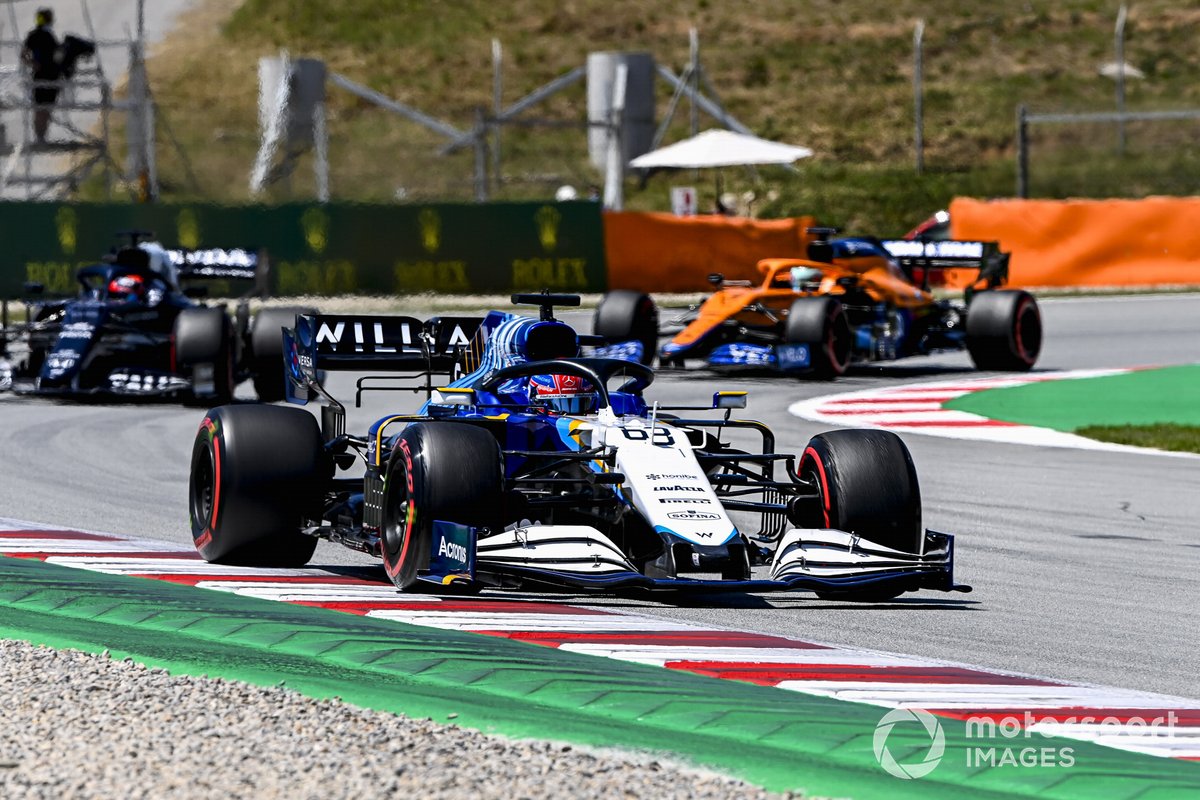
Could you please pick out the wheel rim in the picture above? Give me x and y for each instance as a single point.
(203, 486)
(399, 514)
(838, 342)
(395, 530)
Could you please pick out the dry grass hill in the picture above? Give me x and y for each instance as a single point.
(834, 75)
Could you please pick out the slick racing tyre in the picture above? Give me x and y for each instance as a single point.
(868, 486)
(438, 471)
(820, 323)
(627, 316)
(257, 476)
(266, 350)
(1004, 330)
(203, 340)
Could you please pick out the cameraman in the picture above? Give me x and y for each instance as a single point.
(41, 54)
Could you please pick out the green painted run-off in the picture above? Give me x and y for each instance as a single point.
(772, 737)
(1142, 397)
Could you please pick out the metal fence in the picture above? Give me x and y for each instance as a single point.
(1119, 120)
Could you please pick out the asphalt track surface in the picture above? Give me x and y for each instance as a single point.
(1084, 563)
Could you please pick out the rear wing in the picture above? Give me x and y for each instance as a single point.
(216, 263)
(344, 342)
(926, 262)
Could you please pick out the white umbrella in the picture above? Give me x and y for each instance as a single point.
(720, 148)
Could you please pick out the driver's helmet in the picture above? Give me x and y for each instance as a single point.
(127, 287)
(568, 394)
(801, 276)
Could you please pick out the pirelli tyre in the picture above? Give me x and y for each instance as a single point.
(257, 476)
(867, 485)
(820, 323)
(627, 316)
(1004, 330)
(203, 340)
(438, 471)
(266, 350)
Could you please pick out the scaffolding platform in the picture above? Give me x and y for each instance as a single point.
(81, 119)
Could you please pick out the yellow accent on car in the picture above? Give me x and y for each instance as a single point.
(386, 423)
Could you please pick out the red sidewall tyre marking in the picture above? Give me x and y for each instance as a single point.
(393, 568)
(816, 458)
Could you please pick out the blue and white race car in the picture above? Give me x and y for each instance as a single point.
(135, 329)
(536, 466)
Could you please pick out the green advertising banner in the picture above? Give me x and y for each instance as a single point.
(328, 249)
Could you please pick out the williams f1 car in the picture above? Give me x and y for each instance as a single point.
(852, 300)
(539, 467)
(135, 330)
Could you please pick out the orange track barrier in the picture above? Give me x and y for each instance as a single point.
(665, 253)
(1089, 242)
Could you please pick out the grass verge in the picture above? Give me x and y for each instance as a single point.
(1163, 436)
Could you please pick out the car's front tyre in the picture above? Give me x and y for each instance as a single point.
(628, 316)
(203, 340)
(438, 471)
(867, 485)
(820, 322)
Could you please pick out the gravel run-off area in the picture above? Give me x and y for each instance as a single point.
(78, 725)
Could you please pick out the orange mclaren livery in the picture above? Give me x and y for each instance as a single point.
(852, 300)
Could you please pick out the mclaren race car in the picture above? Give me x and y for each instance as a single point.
(539, 467)
(135, 330)
(852, 300)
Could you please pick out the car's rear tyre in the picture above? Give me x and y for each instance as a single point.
(257, 474)
(266, 350)
(820, 323)
(1004, 330)
(628, 316)
(203, 337)
(448, 471)
(867, 486)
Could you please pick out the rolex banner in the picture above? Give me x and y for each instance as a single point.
(327, 249)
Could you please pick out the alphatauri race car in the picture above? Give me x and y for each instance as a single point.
(852, 300)
(136, 330)
(537, 466)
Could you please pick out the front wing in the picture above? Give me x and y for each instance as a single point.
(750, 355)
(826, 561)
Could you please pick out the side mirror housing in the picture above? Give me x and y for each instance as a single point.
(446, 396)
(195, 292)
(729, 399)
(33, 287)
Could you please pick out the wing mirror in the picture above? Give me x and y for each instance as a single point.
(446, 396)
(729, 400)
(33, 287)
(195, 292)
